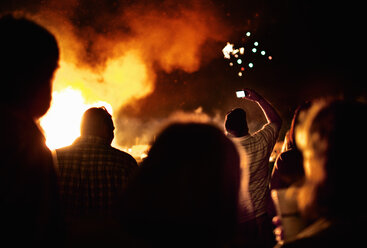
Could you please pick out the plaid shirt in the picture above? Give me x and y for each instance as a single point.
(258, 148)
(91, 174)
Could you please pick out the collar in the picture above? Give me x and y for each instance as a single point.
(90, 139)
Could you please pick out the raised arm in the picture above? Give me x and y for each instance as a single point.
(269, 111)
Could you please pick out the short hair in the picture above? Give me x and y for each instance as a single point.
(236, 122)
(29, 57)
(94, 119)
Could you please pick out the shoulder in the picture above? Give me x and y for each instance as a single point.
(64, 151)
(269, 132)
(270, 127)
(123, 155)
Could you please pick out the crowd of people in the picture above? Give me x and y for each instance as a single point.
(199, 186)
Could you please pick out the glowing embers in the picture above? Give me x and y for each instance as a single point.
(249, 53)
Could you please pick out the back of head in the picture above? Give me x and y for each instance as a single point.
(334, 158)
(236, 122)
(29, 57)
(97, 122)
(188, 184)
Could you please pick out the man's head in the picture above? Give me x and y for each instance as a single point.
(236, 122)
(29, 56)
(97, 122)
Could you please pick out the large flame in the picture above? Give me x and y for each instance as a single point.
(61, 124)
(76, 90)
(111, 60)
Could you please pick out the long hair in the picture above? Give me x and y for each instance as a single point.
(331, 139)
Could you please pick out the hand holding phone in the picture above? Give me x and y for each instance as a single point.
(240, 93)
(249, 94)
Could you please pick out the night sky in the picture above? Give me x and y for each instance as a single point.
(316, 50)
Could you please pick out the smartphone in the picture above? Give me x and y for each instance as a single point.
(240, 93)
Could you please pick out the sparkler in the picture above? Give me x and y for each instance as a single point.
(245, 55)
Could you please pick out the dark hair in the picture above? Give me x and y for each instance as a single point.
(29, 57)
(188, 185)
(236, 122)
(94, 119)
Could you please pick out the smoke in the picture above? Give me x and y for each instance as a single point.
(111, 50)
(173, 35)
(136, 131)
(169, 34)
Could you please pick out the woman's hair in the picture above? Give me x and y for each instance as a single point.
(331, 137)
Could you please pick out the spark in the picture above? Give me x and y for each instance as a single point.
(227, 50)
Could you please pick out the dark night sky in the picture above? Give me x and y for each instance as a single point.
(316, 49)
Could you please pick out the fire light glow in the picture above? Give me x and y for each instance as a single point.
(62, 122)
(117, 66)
(77, 89)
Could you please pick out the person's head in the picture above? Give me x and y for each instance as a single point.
(188, 185)
(29, 57)
(236, 123)
(331, 138)
(97, 122)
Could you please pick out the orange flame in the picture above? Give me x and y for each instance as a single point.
(75, 90)
(113, 67)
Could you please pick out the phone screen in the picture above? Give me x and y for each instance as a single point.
(240, 93)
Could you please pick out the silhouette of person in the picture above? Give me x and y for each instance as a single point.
(186, 191)
(92, 174)
(330, 200)
(255, 228)
(29, 207)
(288, 166)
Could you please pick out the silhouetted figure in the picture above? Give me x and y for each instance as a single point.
(186, 192)
(288, 166)
(29, 199)
(255, 228)
(92, 173)
(331, 198)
